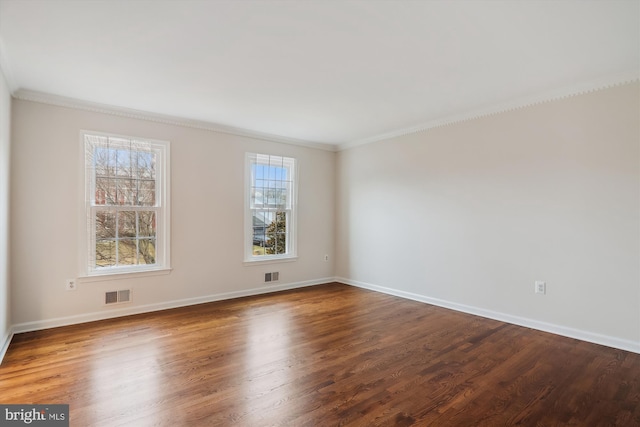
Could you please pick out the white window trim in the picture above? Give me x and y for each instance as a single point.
(163, 217)
(124, 275)
(292, 254)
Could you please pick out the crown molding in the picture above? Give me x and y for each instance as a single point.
(61, 101)
(567, 92)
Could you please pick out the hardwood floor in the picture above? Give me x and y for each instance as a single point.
(321, 356)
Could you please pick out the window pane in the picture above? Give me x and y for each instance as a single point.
(146, 251)
(126, 192)
(146, 224)
(105, 191)
(105, 253)
(146, 165)
(104, 160)
(281, 198)
(257, 196)
(126, 224)
(146, 193)
(268, 197)
(276, 232)
(286, 203)
(259, 229)
(281, 246)
(105, 224)
(127, 252)
(124, 165)
(259, 236)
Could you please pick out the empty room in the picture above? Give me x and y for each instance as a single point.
(319, 213)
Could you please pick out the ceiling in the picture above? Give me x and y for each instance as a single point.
(333, 72)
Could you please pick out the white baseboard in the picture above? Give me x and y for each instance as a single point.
(5, 343)
(592, 337)
(516, 320)
(90, 317)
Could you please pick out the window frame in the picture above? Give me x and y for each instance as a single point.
(161, 209)
(292, 164)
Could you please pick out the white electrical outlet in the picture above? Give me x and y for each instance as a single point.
(70, 285)
(540, 287)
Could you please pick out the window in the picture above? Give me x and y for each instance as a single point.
(271, 201)
(126, 204)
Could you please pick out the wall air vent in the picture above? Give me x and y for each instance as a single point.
(271, 277)
(117, 297)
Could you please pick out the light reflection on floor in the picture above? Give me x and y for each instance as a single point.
(267, 367)
(132, 390)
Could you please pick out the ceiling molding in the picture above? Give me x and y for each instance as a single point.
(61, 101)
(567, 92)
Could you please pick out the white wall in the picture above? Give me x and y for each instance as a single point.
(206, 214)
(470, 215)
(5, 133)
(466, 216)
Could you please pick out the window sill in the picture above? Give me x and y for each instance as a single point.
(270, 260)
(101, 277)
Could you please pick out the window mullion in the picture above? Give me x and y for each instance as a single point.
(92, 225)
(137, 261)
(117, 240)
